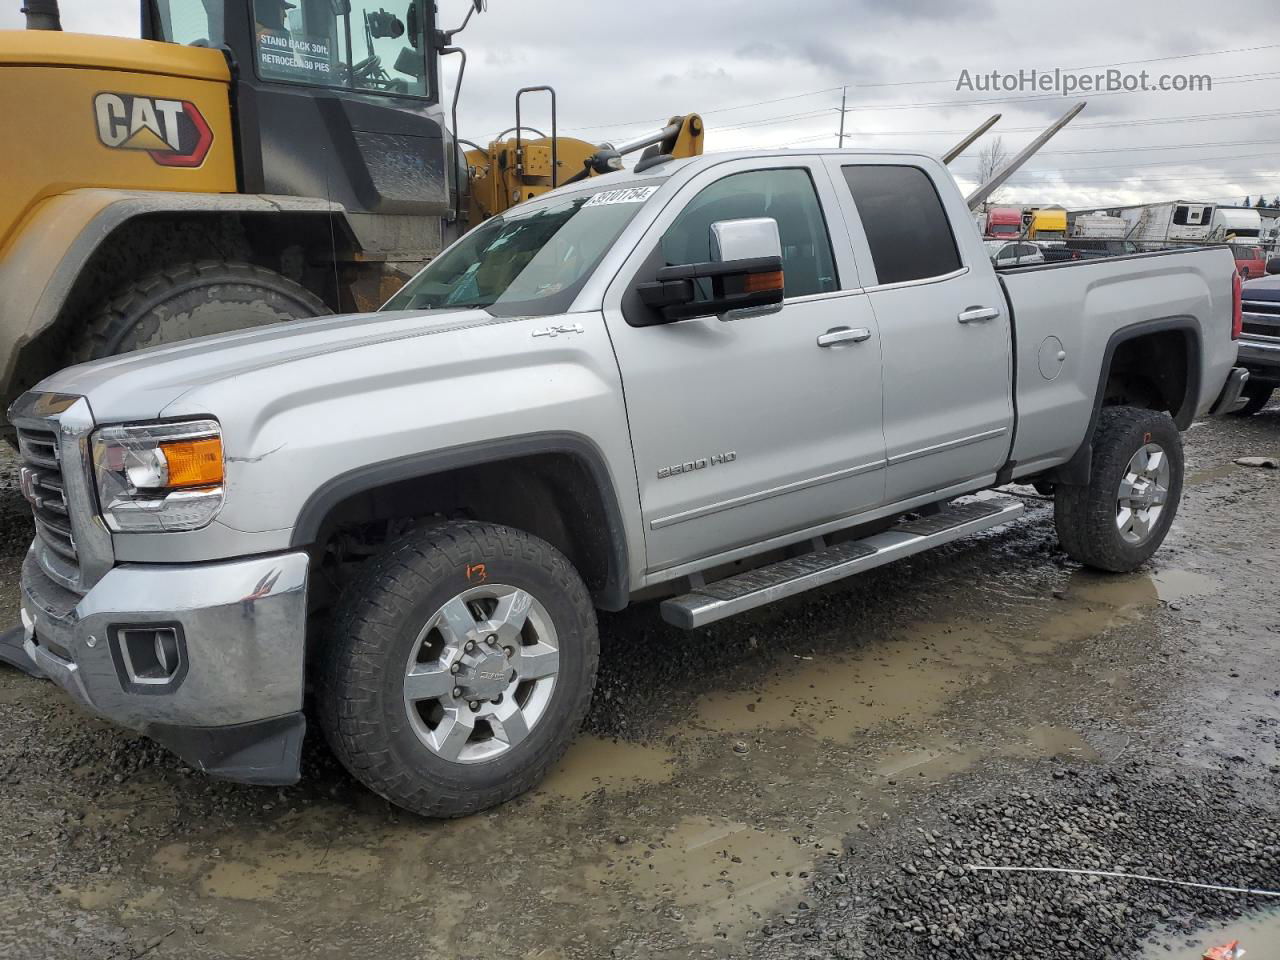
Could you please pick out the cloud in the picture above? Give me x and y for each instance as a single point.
(766, 75)
(929, 9)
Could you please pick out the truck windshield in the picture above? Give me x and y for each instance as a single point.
(528, 261)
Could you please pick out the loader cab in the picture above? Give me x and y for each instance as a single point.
(333, 100)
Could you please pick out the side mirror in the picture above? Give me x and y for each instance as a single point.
(743, 278)
(1273, 266)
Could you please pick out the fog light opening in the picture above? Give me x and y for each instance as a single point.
(149, 656)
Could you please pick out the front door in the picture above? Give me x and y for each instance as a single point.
(944, 327)
(760, 427)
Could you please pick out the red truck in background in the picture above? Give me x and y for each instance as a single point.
(1003, 222)
(1251, 260)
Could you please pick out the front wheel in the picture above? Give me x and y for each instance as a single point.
(1121, 517)
(460, 666)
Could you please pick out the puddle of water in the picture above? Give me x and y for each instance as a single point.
(95, 896)
(1211, 474)
(593, 763)
(1175, 585)
(725, 874)
(837, 696)
(1259, 936)
(936, 762)
(257, 873)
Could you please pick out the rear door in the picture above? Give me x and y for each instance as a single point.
(944, 327)
(761, 427)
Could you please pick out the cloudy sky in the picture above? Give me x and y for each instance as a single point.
(771, 75)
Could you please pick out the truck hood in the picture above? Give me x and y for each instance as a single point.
(140, 385)
(1263, 288)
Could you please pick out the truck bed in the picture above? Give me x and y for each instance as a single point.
(1082, 309)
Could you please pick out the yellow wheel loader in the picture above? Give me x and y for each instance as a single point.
(244, 162)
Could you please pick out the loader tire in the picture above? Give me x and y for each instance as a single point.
(458, 666)
(1120, 518)
(192, 300)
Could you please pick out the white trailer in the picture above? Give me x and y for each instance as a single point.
(1173, 221)
(1241, 223)
(1098, 226)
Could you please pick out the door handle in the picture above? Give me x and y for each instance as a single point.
(843, 335)
(978, 314)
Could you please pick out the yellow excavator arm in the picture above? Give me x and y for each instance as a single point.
(515, 169)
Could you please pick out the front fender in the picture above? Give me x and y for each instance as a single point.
(302, 435)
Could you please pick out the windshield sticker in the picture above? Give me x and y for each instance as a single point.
(629, 195)
(282, 51)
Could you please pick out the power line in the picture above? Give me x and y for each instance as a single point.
(1164, 163)
(1074, 128)
(740, 106)
(1092, 66)
(1229, 79)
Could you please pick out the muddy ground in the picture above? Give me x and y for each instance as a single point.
(813, 780)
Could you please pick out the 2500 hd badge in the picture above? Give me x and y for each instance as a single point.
(700, 464)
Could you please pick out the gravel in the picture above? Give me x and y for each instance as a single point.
(925, 900)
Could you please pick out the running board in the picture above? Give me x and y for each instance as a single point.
(746, 591)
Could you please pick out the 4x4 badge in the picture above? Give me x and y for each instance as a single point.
(173, 132)
(560, 328)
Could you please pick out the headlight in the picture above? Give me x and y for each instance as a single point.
(159, 477)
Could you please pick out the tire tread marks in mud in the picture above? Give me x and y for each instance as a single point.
(367, 638)
(1085, 516)
(114, 329)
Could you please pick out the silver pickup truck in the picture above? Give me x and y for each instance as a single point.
(713, 382)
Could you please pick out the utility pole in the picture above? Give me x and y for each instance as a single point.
(844, 94)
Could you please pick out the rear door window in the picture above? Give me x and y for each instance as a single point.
(905, 223)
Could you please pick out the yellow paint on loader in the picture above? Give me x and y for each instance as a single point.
(48, 84)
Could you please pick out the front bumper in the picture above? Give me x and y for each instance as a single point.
(225, 695)
(1261, 356)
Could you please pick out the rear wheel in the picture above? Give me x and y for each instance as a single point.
(459, 668)
(1121, 517)
(1259, 395)
(192, 300)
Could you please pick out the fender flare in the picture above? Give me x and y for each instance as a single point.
(615, 593)
(1076, 470)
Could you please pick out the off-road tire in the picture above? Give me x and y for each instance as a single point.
(377, 621)
(191, 300)
(1259, 395)
(1085, 516)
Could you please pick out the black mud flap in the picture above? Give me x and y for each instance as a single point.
(12, 653)
(265, 752)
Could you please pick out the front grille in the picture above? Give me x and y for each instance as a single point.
(42, 485)
(1261, 318)
(1262, 307)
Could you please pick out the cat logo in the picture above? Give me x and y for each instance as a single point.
(173, 132)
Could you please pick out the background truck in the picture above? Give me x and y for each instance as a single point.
(245, 162)
(1260, 339)
(1003, 223)
(722, 381)
(1048, 223)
